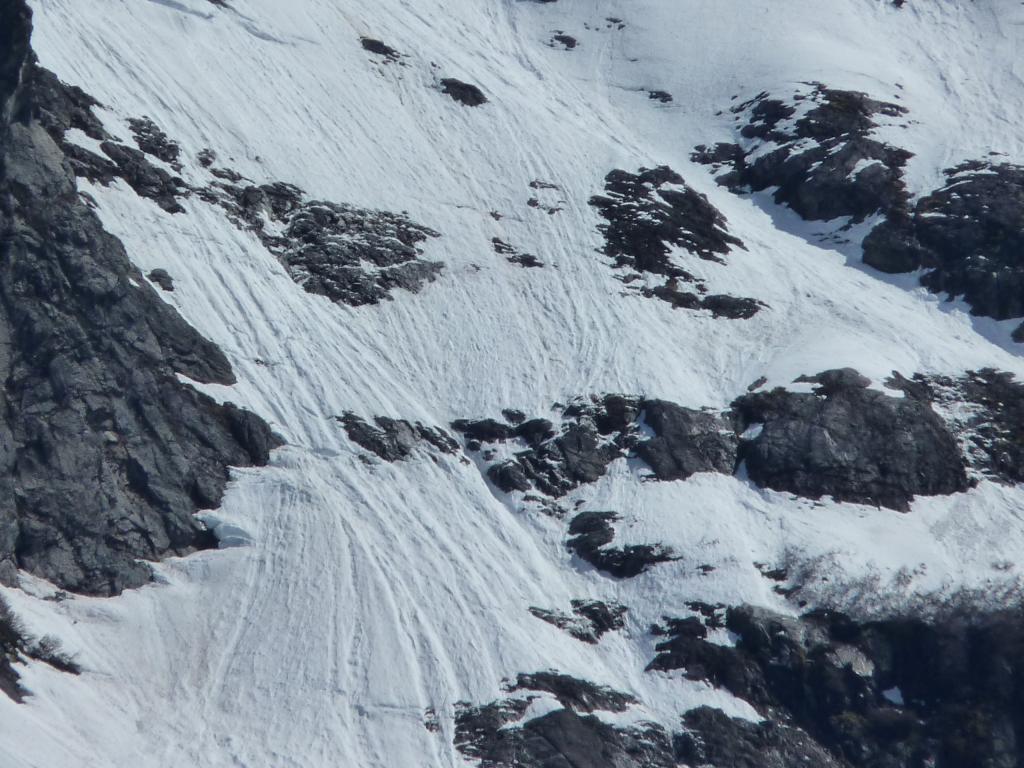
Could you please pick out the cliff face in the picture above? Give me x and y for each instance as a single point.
(105, 455)
(647, 368)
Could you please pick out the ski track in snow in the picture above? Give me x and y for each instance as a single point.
(365, 594)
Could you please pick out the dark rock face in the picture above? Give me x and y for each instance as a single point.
(394, 439)
(894, 693)
(653, 210)
(350, 255)
(495, 736)
(16, 645)
(162, 278)
(716, 740)
(513, 255)
(969, 235)
(591, 534)
(686, 441)
(990, 428)
(719, 305)
(59, 107)
(590, 619)
(153, 141)
(849, 442)
(595, 432)
(466, 94)
(823, 160)
(380, 49)
(104, 454)
(571, 692)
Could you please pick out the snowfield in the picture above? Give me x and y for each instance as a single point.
(352, 595)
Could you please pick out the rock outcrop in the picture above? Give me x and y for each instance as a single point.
(849, 442)
(649, 213)
(105, 455)
(818, 151)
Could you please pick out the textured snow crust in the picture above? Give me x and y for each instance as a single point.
(352, 596)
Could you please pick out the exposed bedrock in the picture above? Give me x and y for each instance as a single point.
(502, 735)
(849, 442)
(892, 693)
(842, 440)
(968, 235)
(818, 150)
(394, 439)
(105, 455)
(653, 211)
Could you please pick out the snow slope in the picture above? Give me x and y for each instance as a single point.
(362, 594)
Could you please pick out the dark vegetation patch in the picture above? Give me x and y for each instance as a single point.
(589, 621)
(892, 693)
(466, 94)
(105, 455)
(495, 735)
(394, 439)
(649, 213)
(17, 645)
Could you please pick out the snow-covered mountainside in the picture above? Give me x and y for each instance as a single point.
(511, 383)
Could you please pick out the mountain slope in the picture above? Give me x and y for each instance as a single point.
(367, 598)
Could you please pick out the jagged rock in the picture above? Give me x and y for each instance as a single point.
(495, 735)
(653, 210)
(465, 93)
(153, 141)
(350, 255)
(969, 236)
(848, 442)
(985, 410)
(720, 305)
(596, 431)
(591, 619)
(715, 740)
(663, 96)
(141, 175)
(394, 439)
(890, 693)
(573, 693)
(484, 430)
(817, 151)
(162, 278)
(592, 532)
(16, 645)
(380, 49)
(514, 256)
(104, 454)
(686, 441)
